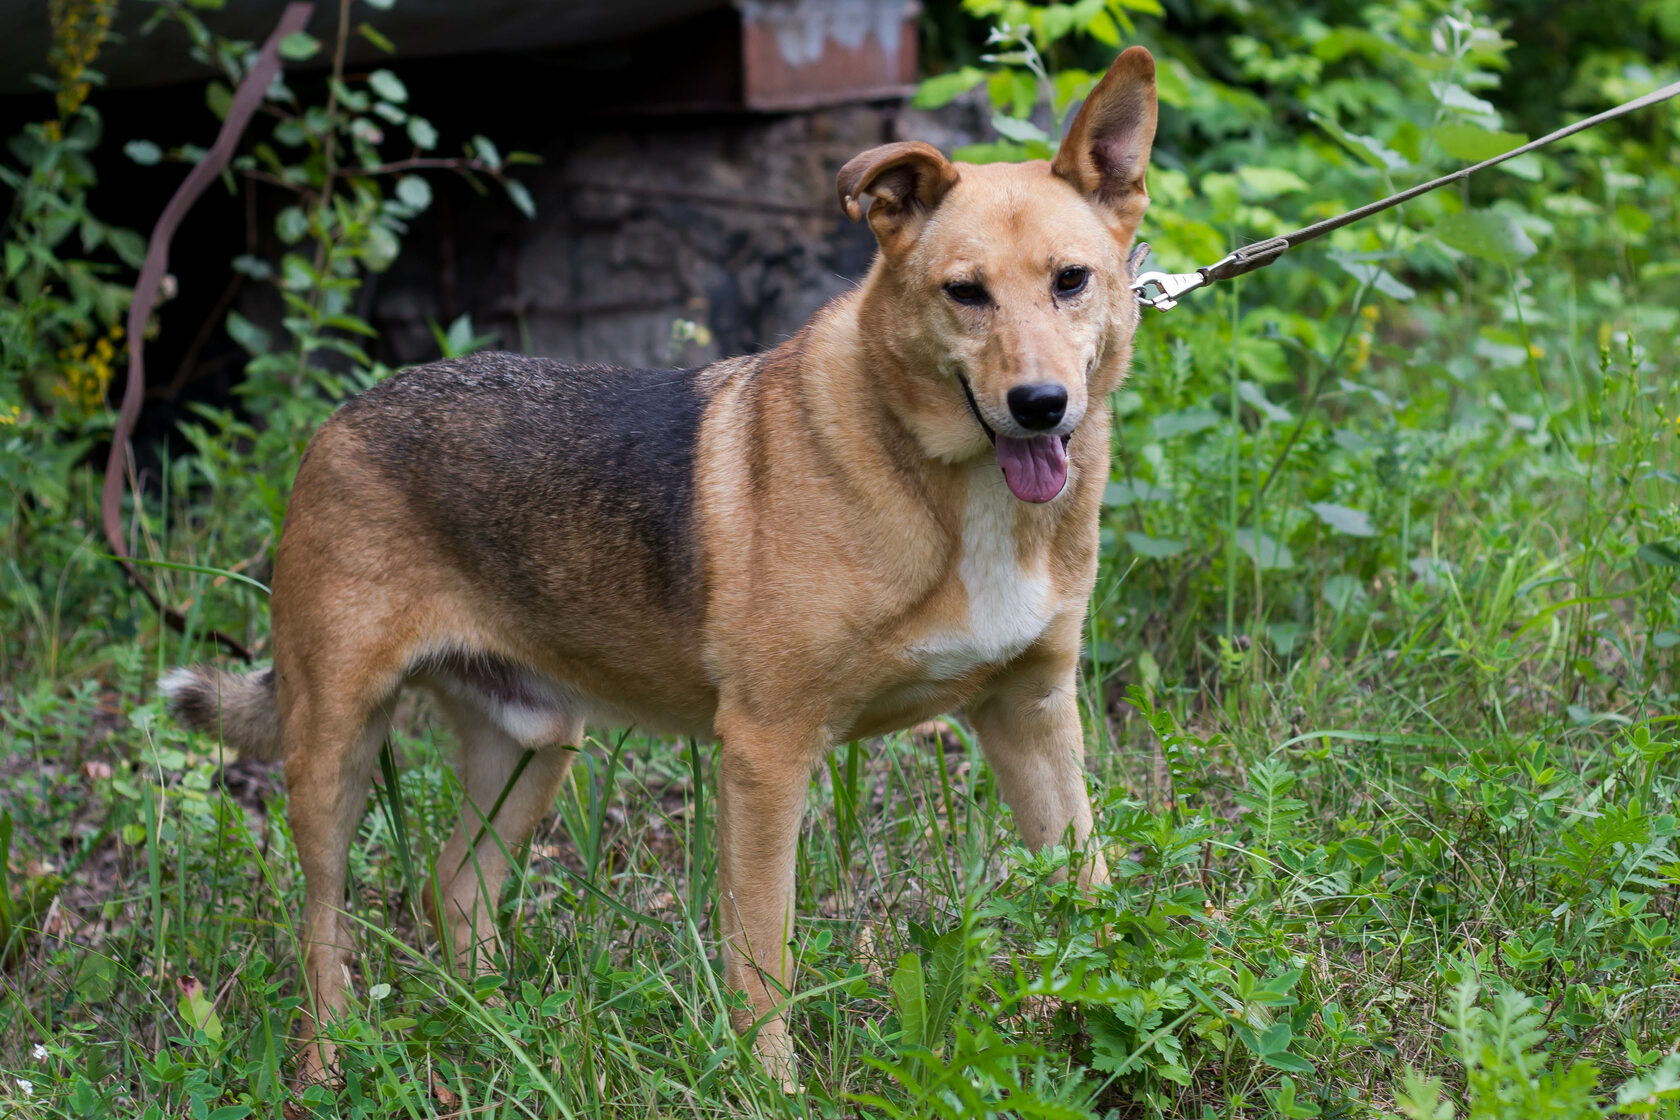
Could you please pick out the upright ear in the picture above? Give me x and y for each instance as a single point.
(1106, 150)
(907, 180)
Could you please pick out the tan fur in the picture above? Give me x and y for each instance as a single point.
(861, 567)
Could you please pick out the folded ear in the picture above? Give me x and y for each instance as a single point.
(907, 180)
(1106, 149)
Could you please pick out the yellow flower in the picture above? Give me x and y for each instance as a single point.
(84, 377)
(80, 28)
(1361, 352)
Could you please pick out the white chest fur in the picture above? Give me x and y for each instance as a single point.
(1009, 603)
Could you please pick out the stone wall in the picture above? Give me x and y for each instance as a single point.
(730, 222)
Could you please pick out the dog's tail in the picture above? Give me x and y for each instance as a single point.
(239, 708)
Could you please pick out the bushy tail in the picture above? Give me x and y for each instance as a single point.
(239, 708)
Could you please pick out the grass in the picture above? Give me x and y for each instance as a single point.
(1401, 817)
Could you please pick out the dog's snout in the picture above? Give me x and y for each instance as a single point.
(1037, 407)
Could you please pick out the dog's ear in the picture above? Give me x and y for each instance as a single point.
(907, 180)
(1106, 149)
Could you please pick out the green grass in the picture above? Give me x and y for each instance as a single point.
(1436, 834)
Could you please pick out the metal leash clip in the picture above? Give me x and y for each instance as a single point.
(1169, 285)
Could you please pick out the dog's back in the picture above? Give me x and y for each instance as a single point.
(502, 459)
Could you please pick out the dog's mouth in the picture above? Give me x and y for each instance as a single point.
(1035, 468)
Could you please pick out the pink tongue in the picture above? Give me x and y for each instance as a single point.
(1036, 468)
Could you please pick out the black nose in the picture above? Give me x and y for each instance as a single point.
(1037, 407)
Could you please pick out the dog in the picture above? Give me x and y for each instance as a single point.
(892, 515)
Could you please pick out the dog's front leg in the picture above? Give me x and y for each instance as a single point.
(763, 779)
(1028, 723)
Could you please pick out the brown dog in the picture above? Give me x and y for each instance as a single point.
(894, 514)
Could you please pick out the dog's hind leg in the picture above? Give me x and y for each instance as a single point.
(331, 747)
(1028, 724)
(475, 860)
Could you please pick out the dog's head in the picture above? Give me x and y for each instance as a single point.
(1006, 285)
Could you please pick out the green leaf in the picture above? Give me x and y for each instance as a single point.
(381, 248)
(1123, 493)
(1287, 1062)
(1644, 1095)
(218, 98)
(414, 192)
(1153, 547)
(1491, 235)
(251, 338)
(486, 151)
(1375, 275)
(1111, 1044)
(372, 35)
(942, 89)
(126, 244)
(299, 46)
(1662, 554)
(1255, 397)
(1344, 519)
(521, 197)
(1360, 848)
(947, 985)
(1104, 30)
(1003, 151)
(1473, 144)
(344, 321)
(1371, 151)
(1268, 554)
(910, 998)
(254, 267)
(1184, 422)
(1020, 131)
(197, 1010)
(1343, 591)
(143, 152)
(1454, 96)
(460, 335)
(291, 224)
(388, 86)
(1071, 85)
(1269, 182)
(421, 132)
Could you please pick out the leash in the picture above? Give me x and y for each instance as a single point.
(1169, 286)
(246, 101)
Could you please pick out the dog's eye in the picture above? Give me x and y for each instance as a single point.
(1071, 281)
(967, 294)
